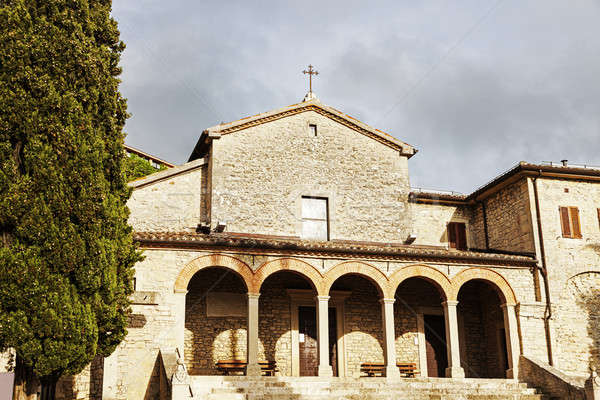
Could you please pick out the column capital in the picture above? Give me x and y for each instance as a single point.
(323, 298)
(387, 301)
(450, 303)
(508, 305)
(253, 295)
(180, 291)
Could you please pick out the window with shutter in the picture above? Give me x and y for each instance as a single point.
(457, 235)
(569, 222)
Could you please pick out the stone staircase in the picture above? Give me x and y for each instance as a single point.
(314, 388)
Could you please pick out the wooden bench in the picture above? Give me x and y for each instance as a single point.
(268, 368)
(229, 366)
(236, 366)
(408, 370)
(372, 369)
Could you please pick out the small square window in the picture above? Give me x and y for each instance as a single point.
(313, 129)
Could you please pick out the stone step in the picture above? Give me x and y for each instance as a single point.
(314, 388)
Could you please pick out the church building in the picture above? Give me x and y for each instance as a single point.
(289, 258)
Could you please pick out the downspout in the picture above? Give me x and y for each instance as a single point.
(485, 225)
(544, 269)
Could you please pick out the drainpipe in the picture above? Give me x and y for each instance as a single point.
(543, 270)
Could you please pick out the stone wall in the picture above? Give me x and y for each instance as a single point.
(413, 297)
(209, 339)
(481, 343)
(261, 173)
(430, 223)
(573, 265)
(170, 204)
(509, 220)
(363, 323)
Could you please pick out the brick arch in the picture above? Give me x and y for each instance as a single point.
(484, 274)
(314, 277)
(214, 260)
(430, 274)
(368, 271)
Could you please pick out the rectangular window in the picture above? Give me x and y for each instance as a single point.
(313, 129)
(457, 235)
(569, 222)
(315, 218)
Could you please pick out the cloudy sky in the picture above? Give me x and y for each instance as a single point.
(476, 86)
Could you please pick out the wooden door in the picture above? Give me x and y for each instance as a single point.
(307, 341)
(435, 342)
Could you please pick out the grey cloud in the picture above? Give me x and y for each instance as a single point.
(523, 86)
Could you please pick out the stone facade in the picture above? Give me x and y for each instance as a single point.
(247, 179)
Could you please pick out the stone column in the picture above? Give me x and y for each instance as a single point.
(253, 369)
(323, 335)
(389, 333)
(512, 340)
(180, 321)
(454, 369)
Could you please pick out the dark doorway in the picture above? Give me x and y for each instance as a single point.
(333, 341)
(307, 340)
(435, 342)
(309, 350)
(503, 348)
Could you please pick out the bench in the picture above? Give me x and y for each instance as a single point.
(236, 366)
(408, 370)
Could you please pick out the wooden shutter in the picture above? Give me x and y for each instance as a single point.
(574, 211)
(461, 236)
(457, 235)
(452, 235)
(564, 221)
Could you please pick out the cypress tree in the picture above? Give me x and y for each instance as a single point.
(66, 251)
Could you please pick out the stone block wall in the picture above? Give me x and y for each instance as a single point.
(413, 297)
(430, 223)
(209, 339)
(363, 323)
(365, 181)
(573, 269)
(173, 204)
(509, 220)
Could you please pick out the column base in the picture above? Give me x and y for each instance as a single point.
(455, 372)
(392, 372)
(253, 370)
(325, 370)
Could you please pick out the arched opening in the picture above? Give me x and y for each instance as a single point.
(282, 326)
(363, 335)
(420, 326)
(215, 319)
(482, 331)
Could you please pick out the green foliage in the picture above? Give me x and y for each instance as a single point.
(66, 251)
(136, 167)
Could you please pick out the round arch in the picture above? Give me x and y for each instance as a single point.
(289, 264)
(214, 260)
(430, 274)
(359, 268)
(484, 274)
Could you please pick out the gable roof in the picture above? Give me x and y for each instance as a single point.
(315, 105)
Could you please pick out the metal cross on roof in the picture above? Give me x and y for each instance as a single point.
(310, 73)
